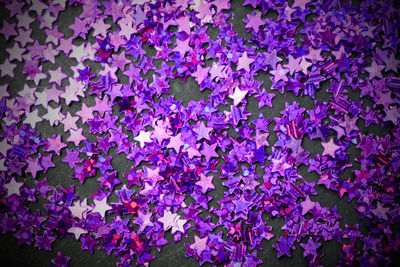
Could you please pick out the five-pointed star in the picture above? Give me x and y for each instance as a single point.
(168, 219)
(55, 144)
(77, 231)
(7, 68)
(53, 115)
(153, 175)
(261, 139)
(280, 166)
(143, 137)
(271, 59)
(375, 70)
(57, 76)
(184, 24)
(175, 142)
(305, 65)
(393, 114)
(41, 99)
(201, 73)
(216, 70)
(179, 223)
(69, 122)
(13, 187)
(310, 248)
(4, 147)
(294, 64)
(280, 74)
(200, 244)
(76, 136)
(202, 131)
(192, 152)
(143, 220)
(380, 211)
(182, 47)
(79, 210)
(391, 63)
(205, 183)
(241, 204)
(85, 113)
(208, 151)
(101, 206)
(238, 96)
(255, 21)
(244, 62)
(53, 94)
(32, 118)
(330, 148)
(159, 133)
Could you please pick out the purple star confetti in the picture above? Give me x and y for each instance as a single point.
(154, 122)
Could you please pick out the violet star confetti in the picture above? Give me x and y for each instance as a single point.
(97, 130)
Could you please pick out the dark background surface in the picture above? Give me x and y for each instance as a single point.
(173, 253)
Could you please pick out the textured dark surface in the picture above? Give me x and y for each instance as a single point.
(173, 253)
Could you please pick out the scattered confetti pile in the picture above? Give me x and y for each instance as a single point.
(117, 101)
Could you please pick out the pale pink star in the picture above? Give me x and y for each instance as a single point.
(238, 96)
(168, 219)
(77, 231)
(179, 225)
(279, 166)
(255, 22)
(330, 148)
(101, 206)
(76, 136)
(300, 3)
(200, 244)
(13, 187)
(175, 142)
(205, 183)
(192, 152)
(79, 210)
(53, 115)
(208, 151)
(280, 74)
(57, 76)
(244, 62)
(201, 73)
(305, 65)
(160, 134)
(143, 137)
(69, 122)
(32, 118)
(86, 113)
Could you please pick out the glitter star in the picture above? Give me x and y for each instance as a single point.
(13, 187)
